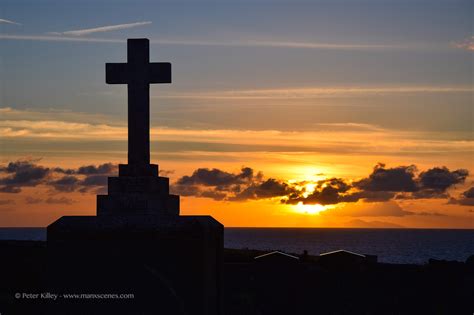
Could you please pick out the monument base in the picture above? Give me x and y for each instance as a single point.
(138, 170)
(170, 266)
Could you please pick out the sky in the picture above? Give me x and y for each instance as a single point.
(281, 113)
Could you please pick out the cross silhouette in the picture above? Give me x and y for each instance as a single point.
(138, 73)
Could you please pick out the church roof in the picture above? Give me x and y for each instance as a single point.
(341, 251)
(276, 253)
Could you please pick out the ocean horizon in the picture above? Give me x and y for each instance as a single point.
(402, 246)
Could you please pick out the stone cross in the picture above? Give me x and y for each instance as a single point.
(138, 73)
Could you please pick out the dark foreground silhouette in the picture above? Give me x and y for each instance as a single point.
(272, 284)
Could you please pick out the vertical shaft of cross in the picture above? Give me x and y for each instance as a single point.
(138, 125)
(138, 73)
(138, 103)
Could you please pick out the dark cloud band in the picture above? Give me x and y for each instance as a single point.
(382, 184)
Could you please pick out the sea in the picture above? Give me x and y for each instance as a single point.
(401, 246)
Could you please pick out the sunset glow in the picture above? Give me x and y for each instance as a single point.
(306, 118)
(309, 209)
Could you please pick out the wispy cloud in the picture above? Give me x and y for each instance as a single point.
(78, 36)
(467, 44)
(303, 93)
(324, 138)
(51, 38)
(8, 22)
(272, 43)
(107, 28)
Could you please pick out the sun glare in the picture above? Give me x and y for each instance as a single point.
(309, 188)
(309, 209)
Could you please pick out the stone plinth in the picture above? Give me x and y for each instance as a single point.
(138, 195)
(171, 264)
(138, 170)
(137, 244)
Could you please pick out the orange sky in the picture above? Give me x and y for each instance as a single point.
(307, 114)
(347, 151)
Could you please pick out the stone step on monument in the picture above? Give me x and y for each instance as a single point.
(138, 195)
(139, 169)
(137, 204)
(145, 184)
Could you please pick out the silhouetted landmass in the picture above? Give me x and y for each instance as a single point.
(278, 284)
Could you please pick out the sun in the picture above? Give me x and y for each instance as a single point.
(309, 188)
(306, 188)
(309, 209)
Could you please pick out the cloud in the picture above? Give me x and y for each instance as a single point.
(327, 192)
(84, 178)
(382, 185)
(50, 200)
(77, 36)
(467, 44)
(108, 28)
(216, 195)
(440, 178)
(291, 93)
(371, 196)
(7, 202)
(66, 183)
(166, 172)
(221, 185)
(377, 192)
(106, 168)
(401, 178)
(349, 126)
(26, 173)
(189, 190)
(56, 129)
(423, 194)
(425, 213)
(469, 193)
(277, 44)
(269, 188)
(61, 200)
(8, 22)
(465, 199)
(21, 173)
(46, 38)
(215, 183)
(96, 180)
(433, 183)
(31, 200)
(216, 177)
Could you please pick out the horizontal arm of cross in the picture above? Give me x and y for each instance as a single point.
(123, 73)
(116, 73)
(159, 72)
